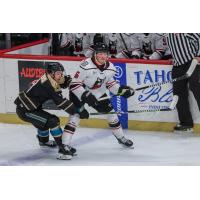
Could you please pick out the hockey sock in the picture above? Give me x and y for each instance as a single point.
(57, 134)
(70, 129)
(115, 126)
(43, 136)
(116, 129)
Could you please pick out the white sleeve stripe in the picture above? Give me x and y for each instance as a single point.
(68, 106)
(111, 85)
(75, 83)
(159, 49)
(62, 103)
(76, 87)
(91, 48)
(65, 44)
(135, 49)
(111, 82)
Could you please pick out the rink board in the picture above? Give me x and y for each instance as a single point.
(17, 70)
(102, 123)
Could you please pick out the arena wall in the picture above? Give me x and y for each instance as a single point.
(40, 47)
(136, 73)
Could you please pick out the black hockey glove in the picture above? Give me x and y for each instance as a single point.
(125, 91)
(127, 53)
(89, 98)
(67, 81)
(83, 113)
(135, 57)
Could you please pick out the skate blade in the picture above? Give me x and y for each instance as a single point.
(64, 157)
(48, 147)
(127, 147)
(184, 132)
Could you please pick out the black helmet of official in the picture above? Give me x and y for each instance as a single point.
(100, 47)
(53, 67)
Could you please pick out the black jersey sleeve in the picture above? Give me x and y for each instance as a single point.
(59, 100)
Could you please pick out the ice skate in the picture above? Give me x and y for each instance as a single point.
(125, 142)
(64, 153)
(50, 143)
(71, 149)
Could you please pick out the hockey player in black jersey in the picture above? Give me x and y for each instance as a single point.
(94, 77)
(29, 107)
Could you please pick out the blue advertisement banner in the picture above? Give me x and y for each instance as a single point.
(157, 97)
(120, 103)
(152, 98)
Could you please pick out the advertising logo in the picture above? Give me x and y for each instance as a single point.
(119, 103)
(28, 72)
(119, 73)
(153, 97)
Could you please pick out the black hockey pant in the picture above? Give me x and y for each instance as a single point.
(39, 118)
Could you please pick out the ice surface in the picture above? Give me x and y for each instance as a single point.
(19, 146)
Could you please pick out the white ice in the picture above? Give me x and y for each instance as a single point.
(19, 146)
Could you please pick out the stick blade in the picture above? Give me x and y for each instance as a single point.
(174, 102)
(192, 67)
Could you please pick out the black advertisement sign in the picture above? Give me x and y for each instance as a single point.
(29, 71)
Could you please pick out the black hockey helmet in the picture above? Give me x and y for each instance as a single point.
(53, 67)
(100, 47)
(98, 38)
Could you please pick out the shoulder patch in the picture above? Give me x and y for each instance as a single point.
(43, 78)
(87, 64)
(84, 63)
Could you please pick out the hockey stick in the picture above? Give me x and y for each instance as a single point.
(187, 75)
(170, 108)
(123, 42)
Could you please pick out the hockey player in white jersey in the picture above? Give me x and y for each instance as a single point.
(75, 44)
(112, 40)
(94, 39)
(66, 47)
(152, 46)
(129, 46)
(93, 78)
(82, 43)
(123, 45)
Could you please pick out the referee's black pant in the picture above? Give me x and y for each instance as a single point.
(181, 88)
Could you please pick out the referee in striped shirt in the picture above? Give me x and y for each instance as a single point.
(184, 48)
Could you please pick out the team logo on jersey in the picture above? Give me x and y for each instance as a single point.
(98, 83)
(84, 63)
(119, 72)
(77, 74)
